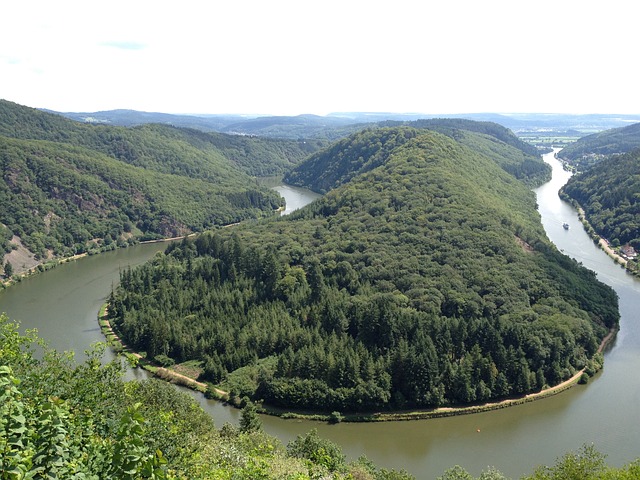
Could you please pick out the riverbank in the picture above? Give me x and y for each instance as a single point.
(54, 262)
(602, 243)
(138, 360)
(486, 407)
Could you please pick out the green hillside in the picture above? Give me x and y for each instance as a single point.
(68, 187)
(425, 280)
(449, 127)
(345, 159)
(589, 150)
(215, 157)
(609, 192)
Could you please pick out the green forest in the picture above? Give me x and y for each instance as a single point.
(422, 278)
(69, 188)
(609, 193)
(368, 149)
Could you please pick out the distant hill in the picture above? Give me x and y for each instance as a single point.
(312, 126)
(300, 126)
(68, 187)
(609, 192)
(350, 157)
(422, 278)
(132, 118)
(289, 127)
(449, 126)
(146, 145)
(590, 149)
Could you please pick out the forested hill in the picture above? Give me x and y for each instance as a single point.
(427, 280)
(67, 187)
(609, 192)
(370, 148)
(450, 127)
(182, 151)
(588, 150)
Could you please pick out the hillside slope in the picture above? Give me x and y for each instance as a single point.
(588, 150)
(68, 188)
(183, 151)
(609, 192)
(345, 159)
(426, 280)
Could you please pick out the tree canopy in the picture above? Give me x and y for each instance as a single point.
(609, 192)
(424, 280)
(62, 419)
(345, 159)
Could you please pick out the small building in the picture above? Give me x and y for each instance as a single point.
(628, 251)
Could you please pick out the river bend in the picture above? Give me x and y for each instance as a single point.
(63, 304)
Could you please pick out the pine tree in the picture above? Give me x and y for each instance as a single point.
(8, 269)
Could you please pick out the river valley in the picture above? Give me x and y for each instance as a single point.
(63, 304)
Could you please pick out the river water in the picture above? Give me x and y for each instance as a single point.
(63, 304)
(295, 197)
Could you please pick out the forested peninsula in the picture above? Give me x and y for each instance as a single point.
(422, 278)
(68, 188)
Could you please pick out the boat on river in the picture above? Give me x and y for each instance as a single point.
(565, 225)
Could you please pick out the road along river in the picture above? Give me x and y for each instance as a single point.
(63, 304)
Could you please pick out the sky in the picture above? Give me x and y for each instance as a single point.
(286, 57)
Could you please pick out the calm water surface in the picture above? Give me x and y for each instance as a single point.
(295, 197)
(64, 302)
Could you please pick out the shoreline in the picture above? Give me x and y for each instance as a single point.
(171, 376)
(136, 360)
(39, 268)
(600, 241)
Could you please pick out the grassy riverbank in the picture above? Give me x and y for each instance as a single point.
(137, 359)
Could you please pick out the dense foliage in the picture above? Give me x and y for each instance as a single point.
(449, 127)
(609, 192)
(369, 149)
(69, 200)
(215, 157)
(60, 419)
(425, 281)
(591, 149)
(68, 188)
(585, 464)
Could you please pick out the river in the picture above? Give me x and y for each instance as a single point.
(63, 304)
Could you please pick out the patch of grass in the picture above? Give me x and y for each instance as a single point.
(192, 368)
(243, 382)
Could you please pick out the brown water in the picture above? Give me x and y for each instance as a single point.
(63, 305)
